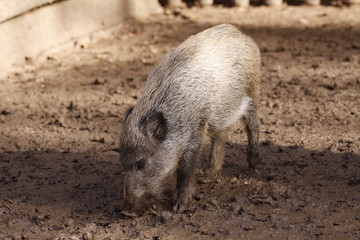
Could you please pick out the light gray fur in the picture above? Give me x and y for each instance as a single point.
(203, 86)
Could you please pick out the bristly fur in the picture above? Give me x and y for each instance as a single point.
(205, 85)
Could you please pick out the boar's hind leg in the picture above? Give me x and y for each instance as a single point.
(185, 175)
(252, 130)
(217, 155)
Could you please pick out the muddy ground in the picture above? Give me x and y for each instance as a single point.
(60, 176)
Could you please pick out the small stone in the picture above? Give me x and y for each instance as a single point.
(74, 238)
(166, 216)
(218, 180)
(233, 180)
(57, 228)
(87, 236)
(15, 237)
(304, 21)
(133, 223)
(214, 202)
(129, 214)
(189, 227)
(248, 228)
(203, 181)
(154, 50)
(168, 12)
(199, 173)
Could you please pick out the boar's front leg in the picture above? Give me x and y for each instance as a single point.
(185, 174)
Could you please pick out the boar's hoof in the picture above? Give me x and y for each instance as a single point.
(213, 174)
(253, 160)
(179, 206)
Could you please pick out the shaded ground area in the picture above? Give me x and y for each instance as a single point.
(60, 177)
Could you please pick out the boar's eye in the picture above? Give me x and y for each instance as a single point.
(140, 164)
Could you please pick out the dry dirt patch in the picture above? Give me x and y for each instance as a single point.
(60, 176)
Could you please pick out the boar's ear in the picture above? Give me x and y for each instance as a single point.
(154, 125)
(127, 113)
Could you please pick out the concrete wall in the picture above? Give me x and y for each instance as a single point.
(31, 27)
(11, 9)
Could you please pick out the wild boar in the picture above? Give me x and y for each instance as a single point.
(202, 87)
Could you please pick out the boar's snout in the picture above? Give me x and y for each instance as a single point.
(131, 202)
(135, 203)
